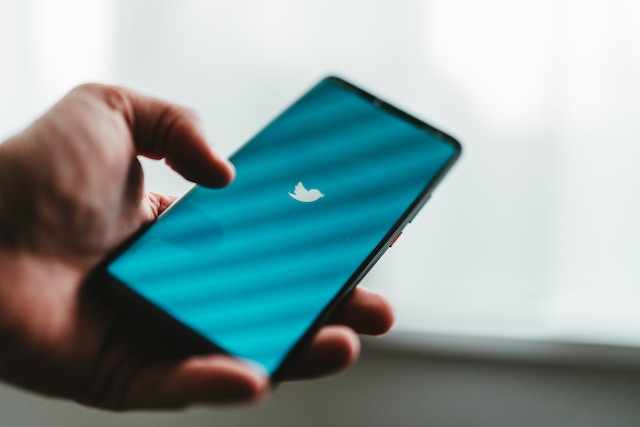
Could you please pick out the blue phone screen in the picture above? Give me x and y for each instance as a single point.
(250, 267)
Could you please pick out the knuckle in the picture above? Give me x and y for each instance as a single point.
(175, 113)
(115, 97)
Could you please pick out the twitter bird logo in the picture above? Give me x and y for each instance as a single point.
(301, 194)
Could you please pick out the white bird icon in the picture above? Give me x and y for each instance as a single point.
(301, 194)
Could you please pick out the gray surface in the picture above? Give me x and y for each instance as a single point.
(399, 388)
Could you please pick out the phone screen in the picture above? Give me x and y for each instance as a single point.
(318, 195)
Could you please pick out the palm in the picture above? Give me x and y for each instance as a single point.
(77, 192)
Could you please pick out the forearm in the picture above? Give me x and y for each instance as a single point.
(16, 198)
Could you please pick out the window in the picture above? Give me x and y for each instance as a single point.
(535, 233)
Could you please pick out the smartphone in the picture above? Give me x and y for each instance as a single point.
(255, 268)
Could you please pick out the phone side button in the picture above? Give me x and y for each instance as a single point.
(395, 239)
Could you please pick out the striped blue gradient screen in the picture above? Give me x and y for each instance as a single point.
(249, 267)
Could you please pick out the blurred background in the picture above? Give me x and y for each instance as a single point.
(517, 288)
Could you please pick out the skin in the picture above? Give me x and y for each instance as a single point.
(71, 190)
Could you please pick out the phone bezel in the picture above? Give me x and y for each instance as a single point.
(185, 340)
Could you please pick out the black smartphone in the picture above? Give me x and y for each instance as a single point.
(255, 268)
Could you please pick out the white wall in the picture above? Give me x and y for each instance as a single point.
(534, 234)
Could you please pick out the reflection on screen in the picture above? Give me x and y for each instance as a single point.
(251, 266)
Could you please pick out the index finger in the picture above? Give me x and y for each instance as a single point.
(163, 130)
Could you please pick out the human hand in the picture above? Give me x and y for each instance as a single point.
(71, 190)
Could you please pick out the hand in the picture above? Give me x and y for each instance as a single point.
(71, 189)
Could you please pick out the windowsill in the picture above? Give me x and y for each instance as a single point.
(509, 350)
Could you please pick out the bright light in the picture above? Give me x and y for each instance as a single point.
(69, 42)
(497, 54)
